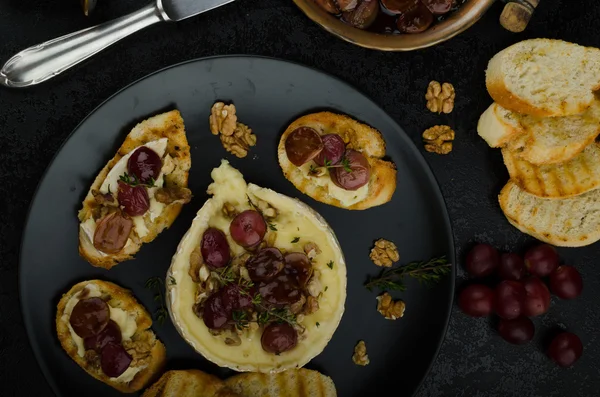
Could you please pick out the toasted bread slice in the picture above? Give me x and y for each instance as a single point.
(569, 222)
(544, 77)
(167, 125)
(498, 126)
(189, 383)
(357, 136)
(134, 322)
(540, 140)
(291, 383)
(572, 178)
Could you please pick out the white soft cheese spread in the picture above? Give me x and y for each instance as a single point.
(296, 225)
(346, 197)
(126, 322)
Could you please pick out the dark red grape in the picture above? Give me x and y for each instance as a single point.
(537, 297)
(302, 145)
(234, 297)
(248, 228)
(566, 282)
(416, 20)
(363, 15)
(509, 297)
(517, 331)
(215, 314)
(398, 6)
(281, 291)
(333, 150)
(541, 260)
(511, 267)
(565, 349)
(266, 264)
(298, 265)
(112, 232)
(145, 164)
(438, 7)
(114, 360)
(476, 300)
(355, 174)
(215, 248)
(110, 334)
(134, 199)
(89, 317)
(482, 260)
(278, 338)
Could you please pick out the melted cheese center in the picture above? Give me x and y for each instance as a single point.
(294, 220)
(125, 321)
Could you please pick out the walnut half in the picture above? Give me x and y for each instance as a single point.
(384, 253)
(360, 356)
(239, 141)
(390, 309)
(440, 97)
(438, 139)
(222, 119)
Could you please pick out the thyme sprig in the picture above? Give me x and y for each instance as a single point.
(344, 163)
(157, 284)
(426, 272)
(133, 180)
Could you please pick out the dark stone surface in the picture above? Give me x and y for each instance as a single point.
(473, 360)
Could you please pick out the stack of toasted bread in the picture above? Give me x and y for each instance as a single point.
(546, 118)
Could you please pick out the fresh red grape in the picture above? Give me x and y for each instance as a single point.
(509, 297)
(248, 228)
(477, 300)
(134, 199)
(333, 150)
(541, 260)
(537, 297)
(566, 282)
(517, 331)
(215, 248)
(145, 164)
(482, 260)
(565, 349)
(511, 267)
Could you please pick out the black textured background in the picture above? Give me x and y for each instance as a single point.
(473, 361)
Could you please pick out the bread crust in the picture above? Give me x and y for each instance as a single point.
(357, 136)
(123, 299)
(299, 382)
(167, 125)
(188, 383)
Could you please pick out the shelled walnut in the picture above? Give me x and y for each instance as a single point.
(390, 309)
(384, 253)
(222, 119)
(438, 139)
(360, 356)
(440, 97)
(236, 137)
(239, 141)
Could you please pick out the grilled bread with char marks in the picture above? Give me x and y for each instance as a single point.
(357, 136)
(291, 383)
(189, 383)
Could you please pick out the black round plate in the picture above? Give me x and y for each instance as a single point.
(268, 94)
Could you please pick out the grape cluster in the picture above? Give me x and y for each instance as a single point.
(521, 293)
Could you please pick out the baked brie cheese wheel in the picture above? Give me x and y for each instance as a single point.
(138, 193)
(107, 332)
(337, 160)
(258, 282)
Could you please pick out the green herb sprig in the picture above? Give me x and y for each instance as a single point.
(158, 285)
(132, 180)
(426, 272)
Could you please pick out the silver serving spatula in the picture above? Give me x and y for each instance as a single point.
(44, 61)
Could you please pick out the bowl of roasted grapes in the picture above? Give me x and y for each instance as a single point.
(395, 25)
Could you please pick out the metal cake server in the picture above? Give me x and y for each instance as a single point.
(41, 62)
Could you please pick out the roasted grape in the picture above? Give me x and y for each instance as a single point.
(476, 300)
(565, 349)
(438, 7)
(114, 360)
(541, 260)
(333, 150)
(566, 282)
(110, 334)
(89, 317)
(112, 232)
(517, 331)
(537, 297)
(248, 228)
(266, 264)
(298, 266)
(511, 267)
(281, 291)
(145, 164)
(482, 260)
(509, 297)
(363, 15)
(354, 174)
(398, 6)
(133, 199)
(416, 20)
(278, 338)
(302, 145)
(215, 314)
(215, 248)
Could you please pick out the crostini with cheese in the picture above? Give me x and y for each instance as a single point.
(107, 332)
(139, 192)
(337, 160)
(258, 283)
